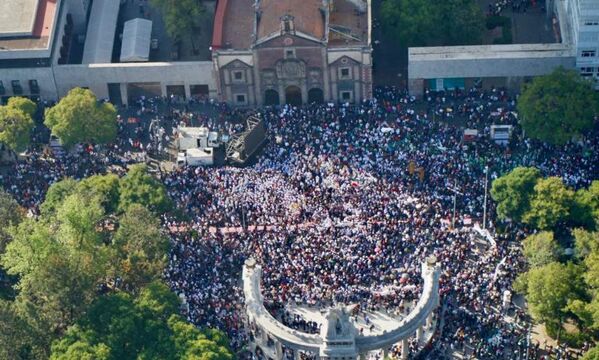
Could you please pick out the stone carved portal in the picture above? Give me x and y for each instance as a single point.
(291, 69)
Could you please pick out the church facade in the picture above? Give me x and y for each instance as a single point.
(271, 52)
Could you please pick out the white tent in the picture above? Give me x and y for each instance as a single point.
(137, 35)
(100, 32)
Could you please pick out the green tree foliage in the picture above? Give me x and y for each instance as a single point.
(22, 104)
(18, 339)
(550, 204)
(180, 16)
(557, 107)
(60, 262)
(513, 192)
(549, 289)
(586, 242)
(106, 187)
(541, 249)
(80, 118)
(431, 22)
(11, 214)
(592, 354)
(140, 244)
(119, 326)
(15, 128)
(139, 187)
(56, 194)
(585, 210)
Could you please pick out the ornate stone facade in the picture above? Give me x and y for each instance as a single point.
(294, 51)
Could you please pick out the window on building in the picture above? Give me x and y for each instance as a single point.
(591, 22)
(16, 87)
(33, 87)
(240, 99)
(345, 73)
(289, 54)
(346, 95)
(588, 53)
(587, 71)
(2, 90)
(238, 75)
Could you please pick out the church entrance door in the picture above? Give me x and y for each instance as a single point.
(293, 95)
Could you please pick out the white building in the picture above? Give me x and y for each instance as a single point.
(48, 47)
(584, 25)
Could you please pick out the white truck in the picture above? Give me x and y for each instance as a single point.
(192, 138)
(196, 157)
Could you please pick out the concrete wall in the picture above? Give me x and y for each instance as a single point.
(511, 61)
(97, 76)
(43, 75)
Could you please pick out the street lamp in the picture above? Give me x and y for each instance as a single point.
(455, 193)
(485, 204)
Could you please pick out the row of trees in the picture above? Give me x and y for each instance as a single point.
(77, 118)
(524, 196)
(89, 275)
(432, 22)
(560, 288)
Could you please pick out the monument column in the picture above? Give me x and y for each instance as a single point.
(419, 333)
(405, 350)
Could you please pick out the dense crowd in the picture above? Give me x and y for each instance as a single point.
(353, 197)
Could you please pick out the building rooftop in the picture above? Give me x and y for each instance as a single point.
(307, 17)
(17, 17)
(234, 21)
(433, 53)
(348, 23)
(29, 23)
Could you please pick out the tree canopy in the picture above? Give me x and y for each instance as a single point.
(513, 192)
(557, 107)
(11, 214)
(549, 289)
(180, 16)
(79, 247)
(139, 187)
(431, 22)
(80, 118)
(585, 209)
(120, 327)
(550, 203)
(15, 128)
(541, 249)
(592, 354)
(22, 104)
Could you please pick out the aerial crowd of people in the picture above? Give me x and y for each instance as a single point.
(342, 206)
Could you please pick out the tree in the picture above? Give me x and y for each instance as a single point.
(138, 187)
(60, 261)
(180, 16)
(585, 209)
(15, 128)
(11, 214)
(513, 192)
(550, 203)
(56, 194)
(549, 289)
(541, 249)
(141, 248)
(147, 327)
(18, 339)
(557, 107)
(586, 242)
(592, 354)
(106, 187)
(22, 104)
(79, 118)
(430, 22)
